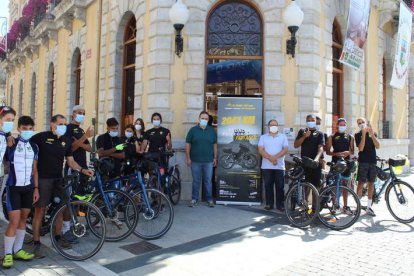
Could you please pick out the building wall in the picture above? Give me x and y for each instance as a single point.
(175, 86)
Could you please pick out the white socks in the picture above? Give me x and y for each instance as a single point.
(18, 243)
(8, 244)
(66, 227)
(369, 205)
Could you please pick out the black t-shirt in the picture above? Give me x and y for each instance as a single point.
(76, 132)
(341, 142)
(157, 138)
(106, 142)
(130, 149)
(369, 154)
(52, 153)
(311, 144)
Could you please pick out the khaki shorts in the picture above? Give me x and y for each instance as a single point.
(48, 189)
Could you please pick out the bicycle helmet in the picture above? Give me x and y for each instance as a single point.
(339, 167)
(106, 166)
(382, 175)
(309, 163)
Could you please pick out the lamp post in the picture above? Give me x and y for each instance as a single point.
(179, 16)
(293, 18)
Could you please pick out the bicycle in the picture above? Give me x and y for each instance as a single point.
(155, 210)
(398, 194)
(169, 180)
(118, 207)
(340, 206)
(302, 198)
(90, 236)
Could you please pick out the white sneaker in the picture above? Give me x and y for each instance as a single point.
(370, 212)
(193, 203)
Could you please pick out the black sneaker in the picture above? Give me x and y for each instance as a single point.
(38, 251)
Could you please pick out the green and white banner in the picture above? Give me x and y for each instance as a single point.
(402, 55)
(356, 34)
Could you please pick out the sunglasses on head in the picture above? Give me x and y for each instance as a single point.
(5, 109)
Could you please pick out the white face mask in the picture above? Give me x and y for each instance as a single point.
(273, 129)
(361, 126)
(138, 127)
(318, 127)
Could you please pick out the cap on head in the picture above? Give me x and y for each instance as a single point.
(341, 120)
(77, 107)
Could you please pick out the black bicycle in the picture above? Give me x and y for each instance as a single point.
(399, 195)
(89, 233)
(340, 206)
(302, 198)
(163, 177)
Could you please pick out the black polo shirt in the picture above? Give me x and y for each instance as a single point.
(157, 138)
(369, 154)
(130, 149)
(76, 132)
(341, 142)
(52, 153)
(106, 142)
(311, 144)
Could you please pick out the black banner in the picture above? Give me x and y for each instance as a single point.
(238, 170)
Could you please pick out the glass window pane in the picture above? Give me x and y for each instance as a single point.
(130, 53)
(129, 91)
(234, 29)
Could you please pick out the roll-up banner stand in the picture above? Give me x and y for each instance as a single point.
(238, 132)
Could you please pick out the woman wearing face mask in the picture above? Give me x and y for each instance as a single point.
(342, 144)
(139, 130)
(132, 148)
(158, 138)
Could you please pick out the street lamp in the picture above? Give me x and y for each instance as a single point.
(293, 17)
(179, 15)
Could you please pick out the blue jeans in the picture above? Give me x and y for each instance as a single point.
(271, 179)
(202, 171)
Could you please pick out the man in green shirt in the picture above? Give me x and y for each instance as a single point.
(201, 153)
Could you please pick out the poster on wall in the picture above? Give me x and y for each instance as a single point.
(356, 34)
(238, 132)
(402, 54)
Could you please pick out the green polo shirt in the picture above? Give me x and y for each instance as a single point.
(201, 141)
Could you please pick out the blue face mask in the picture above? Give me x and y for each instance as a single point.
(341, 129)
(80, 118)
(7, 126)
(311, 124)
(26, 134)
(61, 130)
(156, 122)
(203, 122)
(113, 133)
(128, 134)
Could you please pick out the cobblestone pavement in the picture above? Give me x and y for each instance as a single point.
(249, 241)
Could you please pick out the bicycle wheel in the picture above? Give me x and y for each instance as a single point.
(156, 218)
(302, 204)
(174, 183)
(341, 211)
(122, 217)
(90, 237)
(153, 183)
(400, 201)
(226, 161)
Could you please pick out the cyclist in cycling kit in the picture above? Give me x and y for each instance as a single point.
(7, 115)
(54, 147)
(343, 146)
(21, 191)
(132, 148)
(158, 137)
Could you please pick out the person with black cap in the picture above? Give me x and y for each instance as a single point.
(343, 147)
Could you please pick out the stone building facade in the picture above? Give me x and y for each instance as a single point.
(83, 54)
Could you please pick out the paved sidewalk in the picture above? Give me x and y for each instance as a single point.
(247, 241)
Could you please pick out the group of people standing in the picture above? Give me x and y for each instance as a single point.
(313, 143)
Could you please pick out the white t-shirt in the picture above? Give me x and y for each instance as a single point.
(273, 145)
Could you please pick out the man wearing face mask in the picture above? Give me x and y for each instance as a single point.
(111, 145)
(367, 143)
(54, 148)
(273, 148)
(80, 142)
(201, 154)
(311, 143)
(7, 115)
(343, 147)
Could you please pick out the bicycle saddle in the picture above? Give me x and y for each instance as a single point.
(339, 167)
(227, 151)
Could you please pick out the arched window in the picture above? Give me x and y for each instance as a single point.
(33, 97)
(128, 85)
(21, 91)
(234, 52)
(49, 96)
(337, 75)
(76, 79)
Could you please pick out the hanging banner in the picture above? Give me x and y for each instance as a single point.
(402, 54)
(238, 132)
(356, 34)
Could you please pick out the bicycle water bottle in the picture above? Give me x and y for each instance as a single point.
(377, 186)
(56, 201)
